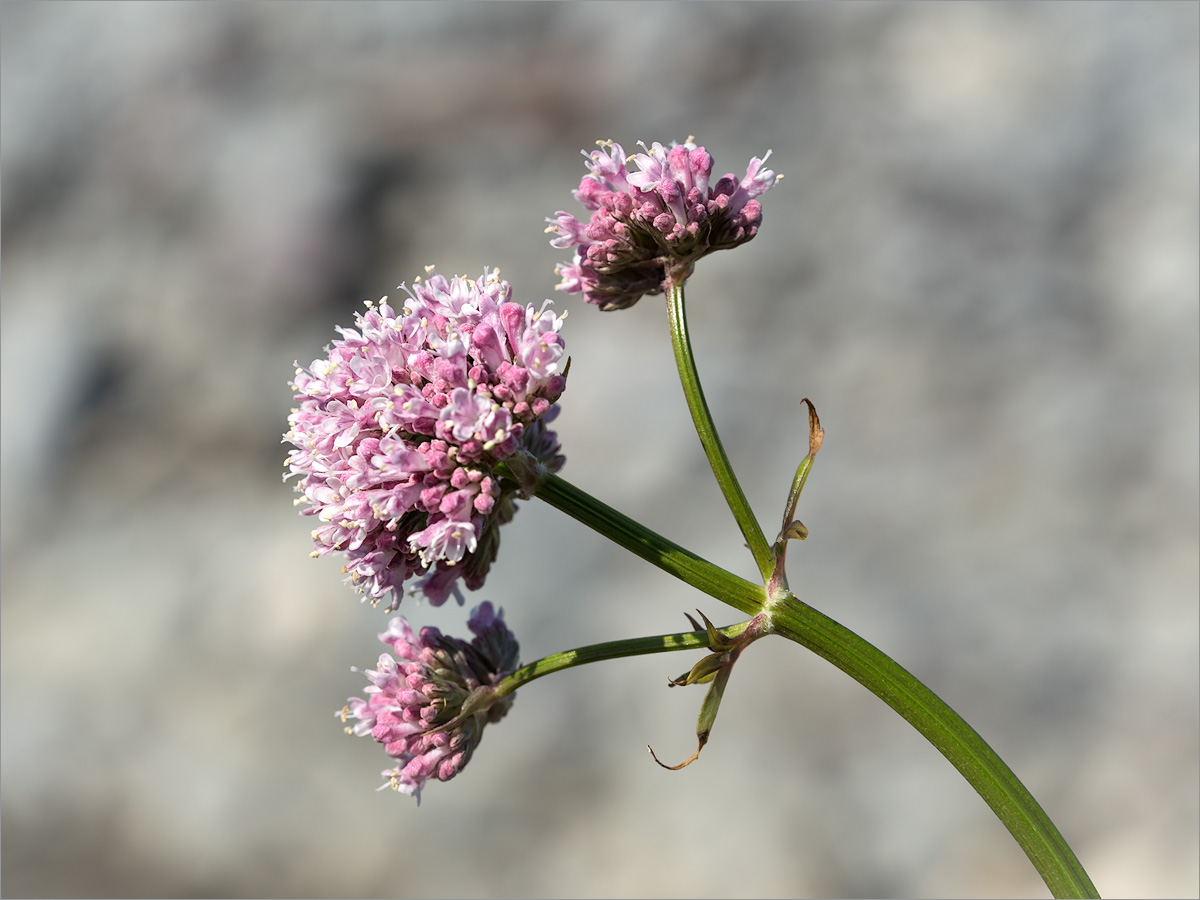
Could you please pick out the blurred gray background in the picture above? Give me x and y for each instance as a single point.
(981, 266)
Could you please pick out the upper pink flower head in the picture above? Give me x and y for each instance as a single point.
(400, 427)
(667, 212)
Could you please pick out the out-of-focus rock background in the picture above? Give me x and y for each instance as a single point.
(982, 266)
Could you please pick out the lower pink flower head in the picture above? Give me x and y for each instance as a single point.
(400, 428)
(428, 705)
(667, 212)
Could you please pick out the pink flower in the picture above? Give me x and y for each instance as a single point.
(665, 213)
(400, 427)
(428, 705)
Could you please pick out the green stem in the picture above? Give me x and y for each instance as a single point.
(650, 546)
(865, 663)
(707, 430)
(949, 733)
(662, 643)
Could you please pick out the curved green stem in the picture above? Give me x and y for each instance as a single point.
(713, 449)
(865, 663)
(949, 733)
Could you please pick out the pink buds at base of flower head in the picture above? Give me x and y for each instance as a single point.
(400, 427)
(428, 704)
(663, 215)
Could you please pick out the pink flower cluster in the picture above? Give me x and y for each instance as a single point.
(400, 428)
(428, 705)
(665, 213)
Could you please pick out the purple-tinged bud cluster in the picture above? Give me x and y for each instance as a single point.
(429, 704)
(400, 428)
(666, 213)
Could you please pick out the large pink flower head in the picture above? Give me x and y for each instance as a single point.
(428, 705)
(666, 213)
(400, 428)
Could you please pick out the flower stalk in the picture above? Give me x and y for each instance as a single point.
(707, 431)
(642, 646)
(673, 559)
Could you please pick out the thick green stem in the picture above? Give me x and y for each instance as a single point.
(946, 730)
(707, 430)
(863, 662)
